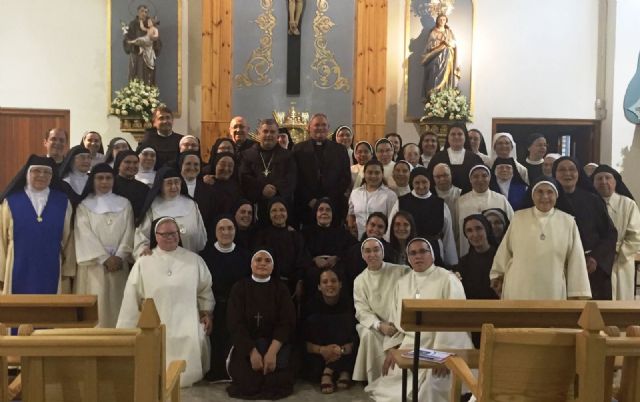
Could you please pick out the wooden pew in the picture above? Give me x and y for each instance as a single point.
(95, 364)
(49, 311)
(469, 315)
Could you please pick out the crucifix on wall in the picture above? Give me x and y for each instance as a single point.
(293, 46)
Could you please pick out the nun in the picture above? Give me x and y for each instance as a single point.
(148, 164)
(179, 283)
(92, 140)
(74, 172)
(536, 148)
(169, 197)
(189, 166)
(116, 145)
(506, 180)
(541, 256)
(425, 280)
(36, 215)
(597, 232)
(103, 241)
(505, 147)
(125, 168)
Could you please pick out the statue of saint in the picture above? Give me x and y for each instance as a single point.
(142, 43)
(295, 13)
(439, 58)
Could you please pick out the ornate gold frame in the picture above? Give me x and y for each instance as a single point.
(407, 38)
(177, 113)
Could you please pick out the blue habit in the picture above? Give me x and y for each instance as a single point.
(37, 245)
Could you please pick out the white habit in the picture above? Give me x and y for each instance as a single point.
(541, 258)
(179, 283)
(434, 283)
(186, 213)
(99, 234)
(626, 217)
(474, 203)
(372, 297)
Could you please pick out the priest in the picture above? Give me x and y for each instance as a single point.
(162, 137)
(267, 170)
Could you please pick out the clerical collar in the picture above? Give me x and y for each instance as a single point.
(423, 197)
(260, 280)
(538, 162)
(164, 135)
(224, 250)
(318, 143)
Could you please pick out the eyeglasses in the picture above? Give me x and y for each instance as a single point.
(167, 235)
(419, 252)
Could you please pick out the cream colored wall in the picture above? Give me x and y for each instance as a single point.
(530, 59)
(54, 56)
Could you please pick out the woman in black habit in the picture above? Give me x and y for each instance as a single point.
(330, 334)
(287, 245)
(189, 164)
(376, 226)
(261, 320)
(226, 188)
(597, 232)
(327, 244)
(74, 173)
(244, 219)
(126, 184)
(117, 144)
(458, 155)
(228, 263)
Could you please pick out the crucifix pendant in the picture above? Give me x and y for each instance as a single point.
(258, 317)
(266, 172)
(39, 219)
(542, 236)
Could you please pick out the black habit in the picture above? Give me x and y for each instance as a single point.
(226, 269)
(428, 213)
(133, 190)
(257, 313)
(459, 173)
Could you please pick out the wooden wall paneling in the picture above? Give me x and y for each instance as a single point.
(369, 94)
(22, 134)
(217, 65)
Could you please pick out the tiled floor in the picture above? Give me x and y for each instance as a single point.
(304, 391)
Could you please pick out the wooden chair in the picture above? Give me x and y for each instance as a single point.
(521, 365)
(100, 365)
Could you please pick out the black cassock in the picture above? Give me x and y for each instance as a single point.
(167, 148)
(260, 167)
(323, 171)
(257, 313)
(598, 235)
(133, 190)
(226, 269)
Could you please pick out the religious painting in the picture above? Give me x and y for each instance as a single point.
(438, 44)
(145, 44)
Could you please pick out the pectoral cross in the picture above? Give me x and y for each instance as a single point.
(258, 317)
(266, 172)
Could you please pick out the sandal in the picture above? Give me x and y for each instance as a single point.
(327, 387)
(344, 382)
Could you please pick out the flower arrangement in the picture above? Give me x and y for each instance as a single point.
(136, 99)
(447, 103)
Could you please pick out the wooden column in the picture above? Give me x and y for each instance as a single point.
(217, 64)
(369, 95)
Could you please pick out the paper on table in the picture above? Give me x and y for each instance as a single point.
(429, 355)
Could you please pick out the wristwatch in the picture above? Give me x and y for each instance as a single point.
(343, 351)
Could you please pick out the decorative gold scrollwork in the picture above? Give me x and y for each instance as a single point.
(329, 73)
(256, 71)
